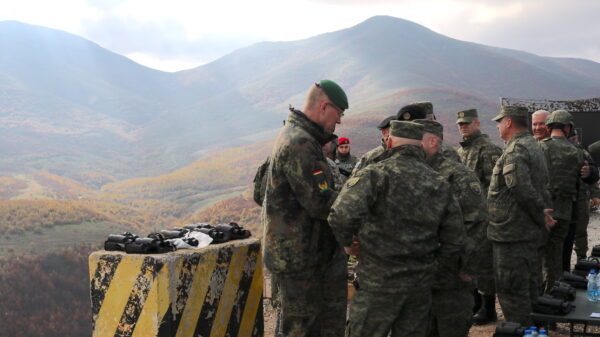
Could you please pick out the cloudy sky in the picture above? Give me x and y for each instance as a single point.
(181, 34)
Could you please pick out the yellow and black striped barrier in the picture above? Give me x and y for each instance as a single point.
(215, 291)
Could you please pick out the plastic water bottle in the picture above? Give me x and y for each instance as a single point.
(592, 287)
(527, 333)
(534, 331)
(543, 333)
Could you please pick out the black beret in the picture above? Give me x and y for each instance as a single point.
(386, 122)
(411, 112)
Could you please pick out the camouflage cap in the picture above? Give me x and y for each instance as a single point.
(433, 127)
(386, 122)
(335, 93)
(411, 112)
(511, 111)
(427, 106)
(466, 116)
(594, 150)
(408, 130)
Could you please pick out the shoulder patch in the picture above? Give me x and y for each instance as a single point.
(352, 181)
(321, 181)
(476, 187)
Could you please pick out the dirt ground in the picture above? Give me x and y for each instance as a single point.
(476, 331)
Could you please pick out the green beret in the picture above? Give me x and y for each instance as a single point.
(408, 130)
(511, 111)
(411, 112)
(432, 127)
(594, 150)
(427, 106)
(335, 93)
(386, 122)
(466, 116)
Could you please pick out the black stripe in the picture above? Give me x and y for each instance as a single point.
(171, 320)
(138, 296)
(243, 291)
(259, 321)
(105, 271)
(213, 293)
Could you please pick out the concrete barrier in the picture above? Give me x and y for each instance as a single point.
(215, 291)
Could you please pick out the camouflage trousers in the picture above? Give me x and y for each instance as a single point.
(581, 225)
(403, 312)
(484, 277)
(553, 253)
(516, 266)
(452, 311)
(313, 302)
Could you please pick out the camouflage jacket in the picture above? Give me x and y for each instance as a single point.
(479, 154)
(450, 152)
(260, 182)
(564, 161)
(406, 220)
(467, 190)
(517, 195)
(338, 179)
(589, 186)
(298, 198)
(369, 157)
(346, 162)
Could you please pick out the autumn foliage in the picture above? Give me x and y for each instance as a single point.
(46, 295)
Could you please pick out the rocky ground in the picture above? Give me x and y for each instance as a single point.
(479, 331)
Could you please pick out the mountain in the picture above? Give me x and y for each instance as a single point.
(74, 109)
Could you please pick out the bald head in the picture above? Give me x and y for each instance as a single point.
(538, 124)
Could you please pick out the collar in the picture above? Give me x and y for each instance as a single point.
(298, 119)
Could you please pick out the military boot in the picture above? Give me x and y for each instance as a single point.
(476, 301)
(487, 312)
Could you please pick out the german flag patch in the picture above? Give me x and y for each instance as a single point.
(321, 180)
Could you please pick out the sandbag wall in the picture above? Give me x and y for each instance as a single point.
(214, 291)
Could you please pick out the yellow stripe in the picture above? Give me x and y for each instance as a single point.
(253, 301)
(117, 296)
(230, 289)
(93, 264)
(154, 309)
(195, 300)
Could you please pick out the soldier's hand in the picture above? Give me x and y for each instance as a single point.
(585, 170)
(465, 277)
(549, 220)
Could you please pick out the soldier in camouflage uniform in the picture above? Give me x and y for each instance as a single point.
(344, 159)
(447, 150)
(299, 247)
(452, 299)
(478, 153)
(407, 222)
(370, 156)
(329, 152)
(565, 163)
(518, 204)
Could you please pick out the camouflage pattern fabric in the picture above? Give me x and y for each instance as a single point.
(404, 313)
(298, 244)
(450, 152)
(516, 265)
(346, 162)
(452, 297)
(468, 192)
(586, 192)
(398, 248)
(452, 311)
(564, 161)
(480, 154)
(338, 179)
(369, 157)
(517, 198)
(517, 195)
(260, 182)
(313, 302)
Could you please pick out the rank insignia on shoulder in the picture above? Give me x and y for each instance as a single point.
(321, 181)
(352, 181)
